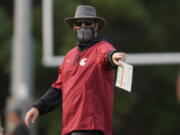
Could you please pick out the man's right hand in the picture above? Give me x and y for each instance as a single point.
(32, 114)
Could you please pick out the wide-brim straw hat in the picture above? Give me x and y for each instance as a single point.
(85, 12)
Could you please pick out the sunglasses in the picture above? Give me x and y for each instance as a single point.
(87, 23)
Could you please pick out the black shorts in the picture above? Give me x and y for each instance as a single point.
(87, 132)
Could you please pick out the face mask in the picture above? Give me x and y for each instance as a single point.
(84, 35)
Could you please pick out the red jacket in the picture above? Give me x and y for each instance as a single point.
(87, 83)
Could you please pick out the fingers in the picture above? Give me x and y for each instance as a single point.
(32, 114)
(118, 58)
(118, 62)
(27, 119)
(34, 118)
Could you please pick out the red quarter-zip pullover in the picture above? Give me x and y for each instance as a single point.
(87, 82)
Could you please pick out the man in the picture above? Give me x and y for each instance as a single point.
(85, 81)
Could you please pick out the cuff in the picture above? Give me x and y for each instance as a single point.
(39, 104)
(49, 101)
(109, 59)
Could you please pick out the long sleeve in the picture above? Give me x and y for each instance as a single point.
(49, 101)
(53, 97)
(106, 51)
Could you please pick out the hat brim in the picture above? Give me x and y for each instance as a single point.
(100, 20)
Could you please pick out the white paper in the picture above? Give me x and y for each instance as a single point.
(124, 76)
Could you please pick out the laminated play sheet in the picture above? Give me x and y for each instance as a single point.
(124, 76)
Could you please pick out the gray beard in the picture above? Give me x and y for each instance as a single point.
(84, 35)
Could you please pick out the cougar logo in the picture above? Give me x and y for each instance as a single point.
(82, 62)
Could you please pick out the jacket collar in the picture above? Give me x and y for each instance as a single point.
(84, 46)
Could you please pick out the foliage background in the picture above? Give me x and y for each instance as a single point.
(134, 26)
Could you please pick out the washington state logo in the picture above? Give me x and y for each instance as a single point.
(82, 62)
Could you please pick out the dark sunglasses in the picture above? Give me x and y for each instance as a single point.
(86, 23)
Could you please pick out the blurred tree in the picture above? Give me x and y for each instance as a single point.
(5, 40)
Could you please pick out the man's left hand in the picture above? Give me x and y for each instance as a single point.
(117, 57)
